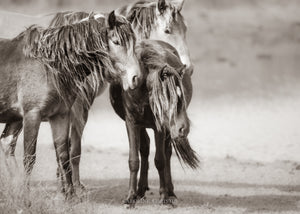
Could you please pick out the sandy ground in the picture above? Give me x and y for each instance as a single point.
(245, 117)
(221, 185)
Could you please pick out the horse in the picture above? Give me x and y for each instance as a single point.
(150, 20)
(160, 104)
(160, 20)
(44, 70)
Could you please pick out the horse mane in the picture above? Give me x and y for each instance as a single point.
(142, 17)
(68, 17)
(71, 53)
(163, 95)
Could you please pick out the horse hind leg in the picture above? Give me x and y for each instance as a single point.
(144, 151)
(8, 141)
(60, 131)
(9, 137)
(31, 120)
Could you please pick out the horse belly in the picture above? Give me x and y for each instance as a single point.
(9, 116)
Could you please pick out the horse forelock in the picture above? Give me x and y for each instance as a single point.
(125, 33)
(164, 98)
(142, 16)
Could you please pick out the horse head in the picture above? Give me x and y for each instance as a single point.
(121, 42)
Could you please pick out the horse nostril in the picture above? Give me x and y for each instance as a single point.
(190, 69)
(167, 31)
(182, 130)
(135, 80)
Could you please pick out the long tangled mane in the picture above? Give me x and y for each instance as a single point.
(71, 53)
(163, 98)
(142, 16)
(68, 17)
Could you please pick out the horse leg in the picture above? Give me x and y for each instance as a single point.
(160, 161)
(32, 120)
(60, 131)
(168, 175)
(9, 139)
(59, 174)
(144, 151)
(76, 135)
(133, 132)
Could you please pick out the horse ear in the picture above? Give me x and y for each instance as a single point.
(131, 16)
(178, 4)
(112, 20)
(181, 70)
(161, 6)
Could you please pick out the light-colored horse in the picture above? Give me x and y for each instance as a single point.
(44, 70)
(150, 20)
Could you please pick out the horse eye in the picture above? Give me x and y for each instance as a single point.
(116, 42)
(167, 31)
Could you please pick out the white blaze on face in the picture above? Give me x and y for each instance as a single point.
(178, 91)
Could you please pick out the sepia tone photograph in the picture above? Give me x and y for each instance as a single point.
(151, 106)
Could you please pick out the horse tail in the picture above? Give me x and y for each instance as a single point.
(185, 153)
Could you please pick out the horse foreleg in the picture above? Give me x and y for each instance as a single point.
(144, 151)
(32, 122)
(168, 175)
(60, 131)
(160, 160)
(59, 173)
(78, 124)
(133, 132)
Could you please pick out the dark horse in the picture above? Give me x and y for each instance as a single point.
(159, 103)
(44, 70)
(150, 20)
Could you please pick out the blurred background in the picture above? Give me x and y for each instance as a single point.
(246, 101)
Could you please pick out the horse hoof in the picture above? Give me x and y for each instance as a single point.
(130, 202)
(27, 203)
(141, 192)
(170, 202)
(80, 191)
(172, 195)
(129, 206)
(69, 194)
